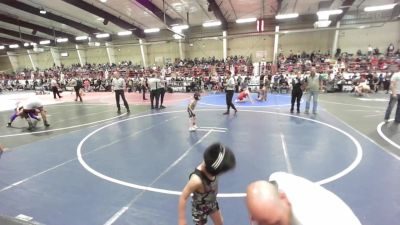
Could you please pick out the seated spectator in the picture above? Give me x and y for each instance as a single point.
(370, 50)
(390, 49)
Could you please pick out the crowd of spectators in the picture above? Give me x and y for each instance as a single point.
(97, 76)
(343, 72)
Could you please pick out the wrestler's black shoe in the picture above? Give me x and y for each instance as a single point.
(8, 124)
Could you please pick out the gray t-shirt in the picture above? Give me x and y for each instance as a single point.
(313, 82)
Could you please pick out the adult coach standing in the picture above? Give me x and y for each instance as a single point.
(119, 88)
(394, 97)
(314, 84)
(230, 88)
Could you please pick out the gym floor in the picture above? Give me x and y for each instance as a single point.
(93, 166)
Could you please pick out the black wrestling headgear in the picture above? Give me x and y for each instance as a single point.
(218, 159)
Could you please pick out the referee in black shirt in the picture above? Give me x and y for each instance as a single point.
(297, 92)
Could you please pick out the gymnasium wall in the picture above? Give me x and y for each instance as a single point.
(5, 64)
(128, 53)
(307, 41)
(44, 59)
(204, 48)
(252, 46)
(72, 57)
(238, 44)
(352, 40)
(96, 55)
(24, 61)
(157, 54)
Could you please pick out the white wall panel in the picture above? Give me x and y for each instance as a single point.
(72, 58)
(128, 53)
(96, 55)
(307, 41)
(205, 48)
(158, 53)
(44, 60)
(353, 40)
(249, 46)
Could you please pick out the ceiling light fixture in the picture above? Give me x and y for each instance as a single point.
(33, 44)
(42, 11)
(379, 7)
(177, 36)
(26, 44)
(180, 27)
(286, 16)
(80, 38)
(45, 42)
(152, 30)
(61, 40)
(124, 33)
(104, 1)
(212, 24)
(323, 23)
(105, 35)
(329, 12)
(2, 47)
(14, 46)
(246, 20)
(97, 44)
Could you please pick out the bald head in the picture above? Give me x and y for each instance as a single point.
(266, 204)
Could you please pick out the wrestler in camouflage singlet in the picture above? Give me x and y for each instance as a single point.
(204, 204)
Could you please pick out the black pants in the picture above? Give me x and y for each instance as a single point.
(296, 97)
(122, 94)
(162, 93)
(154, 94)
(386, 85)
(392, 103)
(144, 92)
(77, 93)
(229, 96)
(55, 92)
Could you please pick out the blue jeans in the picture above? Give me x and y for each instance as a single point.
(314, 95)
(390, 106)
